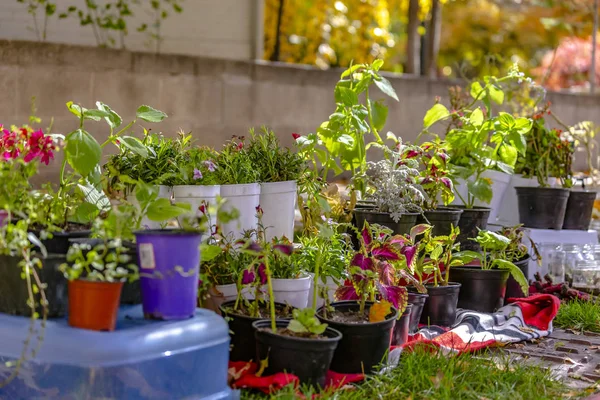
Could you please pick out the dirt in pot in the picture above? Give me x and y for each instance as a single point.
(349, 316)
(303, 335)
(263, 311)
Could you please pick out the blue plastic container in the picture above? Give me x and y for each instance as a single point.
(140, 360)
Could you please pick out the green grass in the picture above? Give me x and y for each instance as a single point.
(578, 315)
(422, 375)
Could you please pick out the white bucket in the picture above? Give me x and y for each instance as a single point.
(508, 214)
(194, 195)
(331, 288)
(164, 192)
(500, 182)
(278, 202)
(292, 291)
(245, 198)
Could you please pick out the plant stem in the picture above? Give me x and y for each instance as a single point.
(373, 129)
(271, 296)
(316, 278)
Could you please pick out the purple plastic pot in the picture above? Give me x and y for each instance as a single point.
(169, 265)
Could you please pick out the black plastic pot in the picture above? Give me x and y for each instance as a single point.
(364, 345)
(542, 208)
(402, 227)
(308, 359)
(440, 306)
(470, 222)
(243, 344)
(417, 300)
(482, 289)
(402, 327)
(513, 289)
(131, 293)
(14, 290)
(59, 244)
(442, 218)
(579, 210)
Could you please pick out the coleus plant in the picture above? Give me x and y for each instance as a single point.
(375, 269)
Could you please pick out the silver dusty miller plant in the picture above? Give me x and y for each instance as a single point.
(393, 184)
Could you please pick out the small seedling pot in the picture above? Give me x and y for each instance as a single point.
(94, 305)
(402, 327)
(440, 306)
(579, 210)
(402, 227)
(471, 221)
(513, 289)
(417, 300)
(243, 343)
(292, 291)
(542, 207)
(442, 219)
(482, 289)
(364, 346)
(169, 261)
(278, 201)
(308, 359)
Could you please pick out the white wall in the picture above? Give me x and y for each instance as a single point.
(210, 28)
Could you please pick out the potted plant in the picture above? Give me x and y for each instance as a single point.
(393, 189)
(483, 288)
(302, 346)
(370, 304)
(517, 252)
(242, 312)
(197, 180)
(433, 258)
(239, 187)
(96, 275)
(278, 172)
(548, 155)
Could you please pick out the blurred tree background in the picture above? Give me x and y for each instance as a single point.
(549, 39)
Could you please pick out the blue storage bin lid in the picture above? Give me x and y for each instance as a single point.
(134, 340)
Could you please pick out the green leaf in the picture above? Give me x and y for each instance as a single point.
(466, 256)
(346, 140)
(515, 272)
(162, 210)
(135, 145)
(350, 70)
(95, 115)
(481, 189)
(476, 117)
(345, 96)
(508, 154)
(379, 112)
(434, 114)
(82, 151)
(113, 119)
(386, 87)
(436, 252)
(86, 212)
(476, 90)
(523, 125)
(209, 251)
(506, 120)
(519, 141)
(150, 114)
(377, 64)
(496, 94)
(94, 196)
(296, 326)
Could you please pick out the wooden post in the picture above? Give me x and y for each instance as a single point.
(413, 40)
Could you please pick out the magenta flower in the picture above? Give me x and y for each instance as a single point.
(259, 211)
(197, 174)
(295, 136)
(248, 277)
(262, 273)
(286, 249)
(211, 166)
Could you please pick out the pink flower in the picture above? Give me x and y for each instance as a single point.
(286, 249)
(295, 136)
(262, 273)
(210, 165)
(259, 211)
(248, 277)
(202, 208)
(197, 174)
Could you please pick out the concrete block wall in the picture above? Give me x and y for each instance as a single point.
(214, 99)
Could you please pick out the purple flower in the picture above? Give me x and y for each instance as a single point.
(286, 249)
(197, 174)
(211, 166)
(262, 273)
(248, 277)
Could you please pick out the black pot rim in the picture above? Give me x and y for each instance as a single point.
(246, 317)
(583, 191)
(394, 315)
(281, 322)
(413, 291)
(474, 208)
(443, 210)
(450, 284)
(533, 188)
(166, 232)
(473, 268)
(369, 211)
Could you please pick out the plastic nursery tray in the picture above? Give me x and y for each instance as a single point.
(140, 360)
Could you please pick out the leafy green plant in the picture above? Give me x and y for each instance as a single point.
(284, 266)
(43, 10)
(197, 166)
(305, 323)
(495, 247)
(340, 143)
(517, 250)
(274, 163)
(108, 261)
(161, 10)
(392, 184)
(234, 165)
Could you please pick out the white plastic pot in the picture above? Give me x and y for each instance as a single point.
(164, 192)
(292, 291)
(195, 195)
(500, 182)
(245, 198)
(278, 202)
(508, 214)
(331, 288)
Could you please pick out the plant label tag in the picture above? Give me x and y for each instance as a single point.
(147, 256)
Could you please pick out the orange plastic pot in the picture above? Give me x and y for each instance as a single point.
(94, 305)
